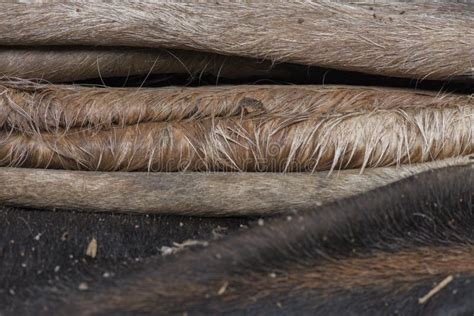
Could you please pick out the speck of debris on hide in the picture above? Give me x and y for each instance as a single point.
(250, 105)
(83, 286)
(223, 288)
(218, 232)
(436, 289)
(177, 247)
(64, 236)
(92, 248)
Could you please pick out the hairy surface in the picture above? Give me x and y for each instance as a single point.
(203, 194)
(47, 247)
(404, 245)
(413, 40)
(27, 107)
(72, 63)
(377, 252)
(269, 142)
(244, 128)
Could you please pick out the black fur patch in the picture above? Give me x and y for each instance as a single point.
(42, 248)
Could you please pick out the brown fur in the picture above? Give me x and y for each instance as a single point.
(426, 41)
(26, 106)
(424, 262)
(79, 63)
(381, 270)
(198, 194)
(269, 142)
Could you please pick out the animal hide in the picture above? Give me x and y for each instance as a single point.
(243, 128)
(210, 158)
(386, 249)
(412, 40)
(62, 64)
(197, 194)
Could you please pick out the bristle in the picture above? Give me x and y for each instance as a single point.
(269, 142)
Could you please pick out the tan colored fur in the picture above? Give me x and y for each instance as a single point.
(192, 193)
(405, 40)
(269, 142)
(27, 106)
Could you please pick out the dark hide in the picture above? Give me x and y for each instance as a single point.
(376, 253)
(43, 248)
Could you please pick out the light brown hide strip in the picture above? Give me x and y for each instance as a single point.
(200, 194)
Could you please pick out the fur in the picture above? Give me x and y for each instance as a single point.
(243, 128)
(196, 194)
(263, 143)
(62, 64)
(26, 106)
(378, 252)
(402, 40)
(46, 247)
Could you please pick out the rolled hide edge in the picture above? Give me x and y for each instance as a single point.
(29, 107)
(411, 40)
(196, 194)
(229, 128)
(271, 143)
(75, 63)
